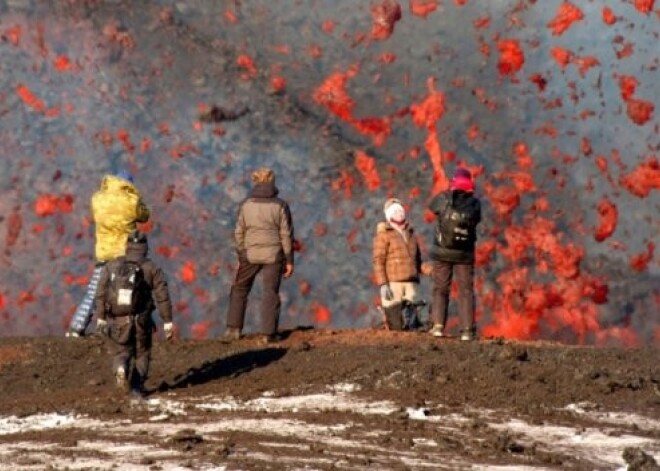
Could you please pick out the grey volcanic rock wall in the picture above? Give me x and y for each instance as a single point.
(553, 105)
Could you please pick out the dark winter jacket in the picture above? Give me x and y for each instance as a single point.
(264, 229)
(153, 276)
(395, 258)
(464, 202)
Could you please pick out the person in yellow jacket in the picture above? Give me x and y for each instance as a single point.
(117, 207)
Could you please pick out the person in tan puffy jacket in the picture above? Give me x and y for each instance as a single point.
(117, 207)
(397, 263)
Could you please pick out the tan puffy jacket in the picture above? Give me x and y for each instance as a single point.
(116, 209)
(264, 228)
(395, 258)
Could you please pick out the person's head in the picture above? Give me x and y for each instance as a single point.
(263, 175)
(462, 180)
(136, 245)
(394, 211)
(124, 175)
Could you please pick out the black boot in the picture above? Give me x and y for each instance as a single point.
(393, 317)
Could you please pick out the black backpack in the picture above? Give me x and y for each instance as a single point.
(457, 229)
(128, 288)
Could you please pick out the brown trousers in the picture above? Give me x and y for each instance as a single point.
(442, 277)
(270, 302)
(131, 339)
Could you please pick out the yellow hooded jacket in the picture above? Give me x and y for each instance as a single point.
(116, 209)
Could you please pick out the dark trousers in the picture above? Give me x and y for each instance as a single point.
(270, 303)
(442, 277)
(131, 338)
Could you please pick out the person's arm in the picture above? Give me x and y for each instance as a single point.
(286, 233)
(437, 204)
(102, 293)
(239, 233)
(161, 295)
(418, 256)
(380, 247)
(478, 213)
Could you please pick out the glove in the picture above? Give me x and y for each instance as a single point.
(168, 327)
(102, 327)
(386, 292)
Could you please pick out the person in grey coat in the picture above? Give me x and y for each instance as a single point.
(264, 243)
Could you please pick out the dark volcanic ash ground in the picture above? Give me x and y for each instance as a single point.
(321, 400)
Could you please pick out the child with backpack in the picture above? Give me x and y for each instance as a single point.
(129, 289)
(458, 213)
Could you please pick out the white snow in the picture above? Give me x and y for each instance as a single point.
(276, 417)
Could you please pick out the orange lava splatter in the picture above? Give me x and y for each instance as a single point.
(247, 63)
(62, 63)
(328, 26)
(640, 261)
(562, 56)
(608, 215)
(423, 8)
(13, 35)
(200, 330)
(566, 16)
(367, 167)
(384, 16)
(644, 6)
(609, 18)
(628, 86)
(322, 314)
(48, 204)
(277, 84)
(188, 272)
(643, 179)
(29, 98)
(332, 94)
(640, 112)
(512, 57)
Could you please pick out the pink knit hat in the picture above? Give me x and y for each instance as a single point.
(462, 180)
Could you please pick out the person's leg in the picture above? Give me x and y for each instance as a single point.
(442, 274)
(270, 303)
(143, 343)
(239, 293)
(85, 310)
(393, 307)
(120, 347)
(410, 297)
(465, 281)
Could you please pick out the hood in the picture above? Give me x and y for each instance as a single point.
(136, 251)
(264, 190)
(113, 183)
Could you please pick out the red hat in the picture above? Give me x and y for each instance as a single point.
(462, 180)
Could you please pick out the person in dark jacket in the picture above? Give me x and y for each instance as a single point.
(130, 333)
(264, 243)
(458, 213)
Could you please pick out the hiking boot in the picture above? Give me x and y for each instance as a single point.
(468, 335)
(438, 330)
(232, 334)
(122, 380)
(269, 339)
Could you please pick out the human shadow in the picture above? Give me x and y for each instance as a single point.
(230, 366)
